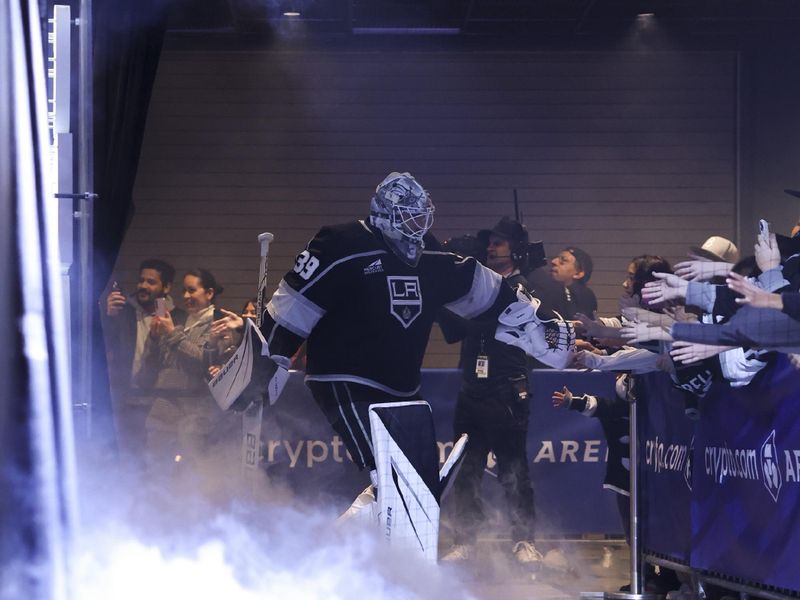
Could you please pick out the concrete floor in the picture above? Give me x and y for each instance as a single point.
(571, 567)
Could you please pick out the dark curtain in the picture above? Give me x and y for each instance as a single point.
(128, 35)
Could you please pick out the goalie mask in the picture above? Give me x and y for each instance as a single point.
(403, 211)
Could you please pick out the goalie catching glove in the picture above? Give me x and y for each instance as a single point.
(525, 324)
(250, 375)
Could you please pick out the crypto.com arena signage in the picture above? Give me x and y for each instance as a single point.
(723, 493)
(566, 452)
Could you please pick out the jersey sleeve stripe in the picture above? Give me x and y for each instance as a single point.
(481, 296)
(290, 309)
(461, 259)
(333, 264)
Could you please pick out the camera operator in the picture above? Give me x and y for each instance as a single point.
(493, 409)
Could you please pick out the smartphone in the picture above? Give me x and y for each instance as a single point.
(161, 307)
(115, 287)
(763, 228)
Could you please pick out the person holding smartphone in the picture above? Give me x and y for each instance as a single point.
(184, 420)
(126, 325)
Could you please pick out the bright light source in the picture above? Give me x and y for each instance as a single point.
(645, 15)
(291, 14)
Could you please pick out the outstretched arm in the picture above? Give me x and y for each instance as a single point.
(756, 327)
(546, 337)
(752, 294)
(701, 270)
(689, 353)
(667, 287)
(585, 404)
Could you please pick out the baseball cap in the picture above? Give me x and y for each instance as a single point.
(717, 249)
(511, 230)
(584, 260)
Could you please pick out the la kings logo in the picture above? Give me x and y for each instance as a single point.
(405, 299)
(769, 467)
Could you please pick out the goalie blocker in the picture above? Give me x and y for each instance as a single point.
(542, 334)
(250, 375)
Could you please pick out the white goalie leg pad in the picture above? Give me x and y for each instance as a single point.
(406, 456)
(550, 340)
(451, 467)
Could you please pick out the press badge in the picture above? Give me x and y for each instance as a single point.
(482, 366)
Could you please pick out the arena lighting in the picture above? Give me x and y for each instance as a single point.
(648, 15)
(406, 30)
(291, 14)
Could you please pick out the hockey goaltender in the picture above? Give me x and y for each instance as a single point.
(364, 296)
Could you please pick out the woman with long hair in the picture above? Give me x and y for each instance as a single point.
(184, 416)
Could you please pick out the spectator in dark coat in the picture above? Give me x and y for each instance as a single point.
(126, 325)
(571, 269)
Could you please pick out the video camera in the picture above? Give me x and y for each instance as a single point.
(475, 246)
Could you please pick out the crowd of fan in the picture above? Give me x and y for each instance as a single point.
(714, 317)
(160, 359)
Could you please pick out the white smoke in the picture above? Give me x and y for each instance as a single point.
(150, 543)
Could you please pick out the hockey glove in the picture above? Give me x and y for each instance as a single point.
(549, 339)
(250, 375)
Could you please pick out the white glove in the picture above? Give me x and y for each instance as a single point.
(523, 336)
(522, 311)
(551, 342)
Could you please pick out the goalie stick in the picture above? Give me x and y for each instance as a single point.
(252, 415)
(250, 376)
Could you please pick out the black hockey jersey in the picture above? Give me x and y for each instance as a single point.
(505, 361)
(366, 314)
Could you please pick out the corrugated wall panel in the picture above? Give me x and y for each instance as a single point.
(619, 153)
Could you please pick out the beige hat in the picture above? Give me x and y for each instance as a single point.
(717, 249)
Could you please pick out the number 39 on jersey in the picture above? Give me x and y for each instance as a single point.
(305, 264)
